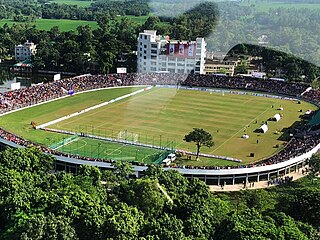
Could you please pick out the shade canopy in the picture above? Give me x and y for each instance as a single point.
(264, 128)
(277, 117)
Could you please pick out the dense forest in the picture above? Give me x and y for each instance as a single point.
(290, 30)
(37, 203)
(291, 48)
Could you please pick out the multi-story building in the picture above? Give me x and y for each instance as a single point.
(216, 66)
(25, 51)
(157, 53)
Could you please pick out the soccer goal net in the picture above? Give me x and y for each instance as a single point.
(64, 142)
(128, 136)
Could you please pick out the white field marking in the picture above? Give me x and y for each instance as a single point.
(94, 113)
(73, 140)
(142, 160)
(100, 125)
(55, 99)
(106, 152)
(117, 149)
(242, 129)
(92, 108)
(85, 144)
(179, 144)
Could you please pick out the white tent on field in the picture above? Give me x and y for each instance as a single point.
(277, 117)
(264, 128)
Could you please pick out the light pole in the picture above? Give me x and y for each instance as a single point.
(99, 144)
(160, 140)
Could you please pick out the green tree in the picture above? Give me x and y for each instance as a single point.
(123, 223)
(201, 138)
(90, 171)
(39, 226)
(314, 163)
(302, 204)
(167, 227)
(260, 200)
(151, 23)
(243, 69)
(146, 196)
(122, 169)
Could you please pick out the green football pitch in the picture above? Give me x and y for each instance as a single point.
(163, 116)
(109, 150)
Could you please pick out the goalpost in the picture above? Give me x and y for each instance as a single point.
(64, 142)
(129, 136)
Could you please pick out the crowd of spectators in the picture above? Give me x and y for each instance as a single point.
(313, 96)
(280, 180)
(52, 90)
(40, 93)
(246, 83)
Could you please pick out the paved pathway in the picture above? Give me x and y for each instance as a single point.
(257, 185)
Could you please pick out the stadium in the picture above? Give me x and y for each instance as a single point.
(141, 118)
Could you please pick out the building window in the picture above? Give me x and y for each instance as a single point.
(145, 46)
(153, 57)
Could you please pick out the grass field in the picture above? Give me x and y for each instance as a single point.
(109, 150)
(167, 115)
(74, 2)
(47, 24)
(68, 25)
(19, 122)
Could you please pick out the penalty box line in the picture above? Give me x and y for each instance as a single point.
(67, 143)
(44, 125)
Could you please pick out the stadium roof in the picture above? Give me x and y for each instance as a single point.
(315, 120)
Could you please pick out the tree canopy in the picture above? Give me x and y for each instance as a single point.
(38, 203)
(201, 138)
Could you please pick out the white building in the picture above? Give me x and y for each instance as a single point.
(160, 54)
(25, 51)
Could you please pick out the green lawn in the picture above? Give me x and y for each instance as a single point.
(109, 150)
(164, 116)
(68, 25)
(19, 122)
(73, 2)
(47, 24)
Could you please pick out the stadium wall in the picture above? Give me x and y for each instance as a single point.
(209, 176)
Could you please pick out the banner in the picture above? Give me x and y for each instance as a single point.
(184, 50)
(191, 50)
(181, 49)
(171, 49)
